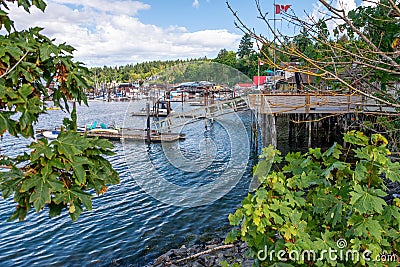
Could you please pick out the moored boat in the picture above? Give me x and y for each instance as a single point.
(101, 130)
(51, 135)
(53, 108)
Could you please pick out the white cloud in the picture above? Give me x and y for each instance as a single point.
(320, 11)
(369, 3)
(113, 7)
(109, 33)
(196, 3)
(346, 5)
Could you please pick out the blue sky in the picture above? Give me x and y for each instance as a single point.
(120, 32)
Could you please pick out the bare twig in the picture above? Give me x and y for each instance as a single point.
(204, 253)
(13, 67)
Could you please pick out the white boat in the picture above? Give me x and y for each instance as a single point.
(100, 130)
(51, 135)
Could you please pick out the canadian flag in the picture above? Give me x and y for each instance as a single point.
(281, 8)
(260, 62)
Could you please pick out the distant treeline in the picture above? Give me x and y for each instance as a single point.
(233, 67)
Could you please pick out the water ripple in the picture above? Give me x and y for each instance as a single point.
(126, 225)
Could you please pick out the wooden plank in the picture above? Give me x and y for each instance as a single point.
(139, 136)
(305, 103)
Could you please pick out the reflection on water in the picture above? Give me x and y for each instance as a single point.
(126, 226)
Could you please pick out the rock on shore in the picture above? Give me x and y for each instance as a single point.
(208, 254)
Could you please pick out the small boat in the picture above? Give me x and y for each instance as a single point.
(93, 128)
(51, 135)
(53, 108)
(100, 130)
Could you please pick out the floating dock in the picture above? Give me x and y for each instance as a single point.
(139, 135)
(134, 135)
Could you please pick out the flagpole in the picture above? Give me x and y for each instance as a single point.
(258, 74)
(274, 85)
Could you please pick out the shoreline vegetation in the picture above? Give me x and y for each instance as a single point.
(283, 212)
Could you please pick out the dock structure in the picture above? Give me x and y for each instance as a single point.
(307, 107)
(139, 136)
(205, 112)
(314, 103)
(129, 135)
(314, 110)
(276, 104)
(271, 104)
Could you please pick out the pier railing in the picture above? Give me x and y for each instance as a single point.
(276, 104)
(205, 112)
(305, 103)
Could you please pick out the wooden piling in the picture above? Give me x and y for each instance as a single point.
(148, 131)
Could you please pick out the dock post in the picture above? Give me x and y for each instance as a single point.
(274, 140)
(290, 129)
(148, 137)
(309, 130)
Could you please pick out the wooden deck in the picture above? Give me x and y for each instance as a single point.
(314, 103)
(305, 103)
(277, 104)
(139, 135)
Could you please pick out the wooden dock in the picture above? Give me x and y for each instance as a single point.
(139, 136)
(144, 114)
(276, 104)
(314, 103)
(132, 135)
(306, 104)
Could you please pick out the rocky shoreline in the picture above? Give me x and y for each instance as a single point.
(209, 254)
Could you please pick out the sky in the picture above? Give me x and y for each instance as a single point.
(121, 32)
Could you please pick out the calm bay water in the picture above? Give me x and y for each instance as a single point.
(126, 226)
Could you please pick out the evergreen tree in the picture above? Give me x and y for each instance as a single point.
(226, 57)
(245, 47)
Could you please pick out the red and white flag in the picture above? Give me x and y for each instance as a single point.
(281, 8)
(260, 62)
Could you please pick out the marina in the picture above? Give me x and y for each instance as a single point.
(130, 137)
(127, 225)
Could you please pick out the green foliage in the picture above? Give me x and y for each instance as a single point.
(141, 72)
(65, 172)
(245, 46)
(226, 264)
(319, 199)
(379, 25)
(226, 57)
(59, 174)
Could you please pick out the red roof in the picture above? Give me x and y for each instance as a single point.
(245, 84)
(262, 79)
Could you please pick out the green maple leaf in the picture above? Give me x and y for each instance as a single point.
(338, 165)
(41, 148)
(84, 197)
(335, 214)
(392, 213)
(356, 138)
(334, 151)
(236, 218)
(71, 144)
(41, 196)
(392, 171)
(365, 202)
